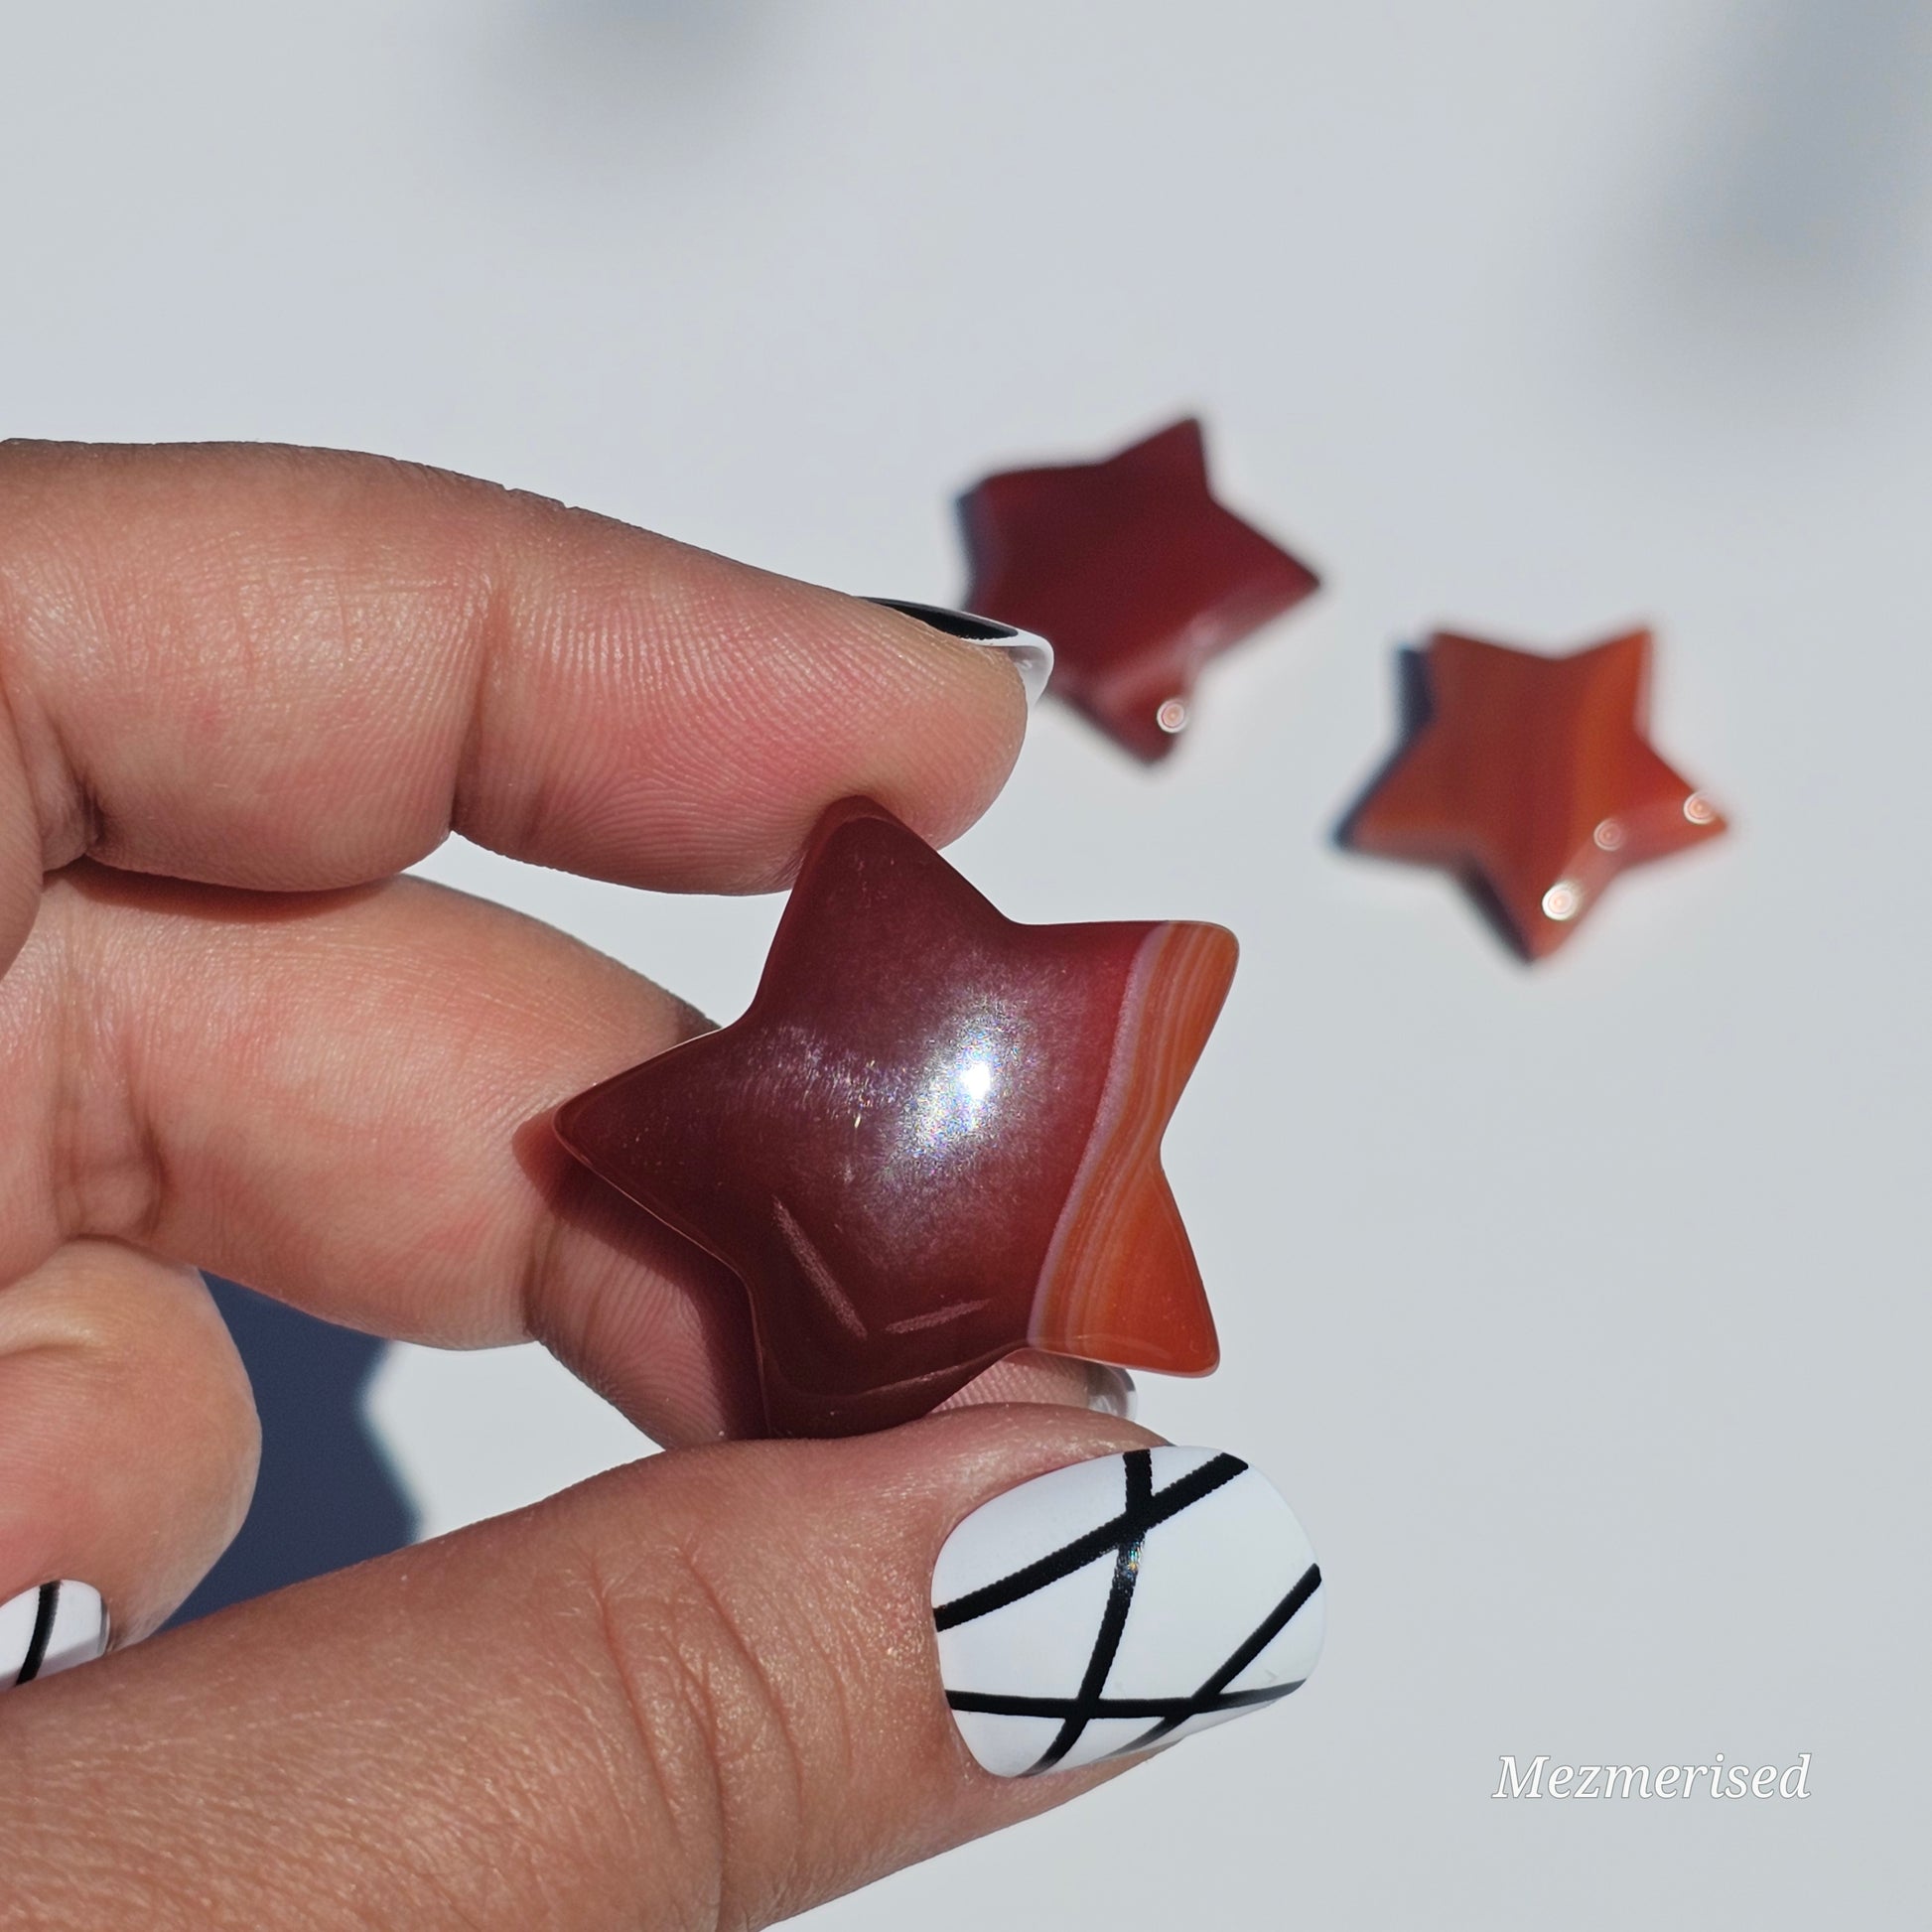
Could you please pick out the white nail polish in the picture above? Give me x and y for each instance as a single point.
(49, 1629)
(1032, 656)
(1121, 1604)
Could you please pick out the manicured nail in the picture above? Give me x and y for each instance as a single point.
(1033, 658)
(50, 1630)
(1121, 1604)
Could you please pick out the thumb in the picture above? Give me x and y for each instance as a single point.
(710, 1689)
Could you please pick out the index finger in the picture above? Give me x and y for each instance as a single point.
(294, 669)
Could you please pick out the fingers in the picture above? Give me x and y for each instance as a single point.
(295, 669)
(342, 1100)
(711, 1688)
(127, 1436)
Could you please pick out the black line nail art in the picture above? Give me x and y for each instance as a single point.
(1034, 1662)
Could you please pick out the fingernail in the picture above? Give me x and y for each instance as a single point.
(1111, 1392)
(1122, 1605)
(47, 1630)
(1032, 656)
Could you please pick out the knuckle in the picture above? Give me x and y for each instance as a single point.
(106, 1166)
(734, 1709)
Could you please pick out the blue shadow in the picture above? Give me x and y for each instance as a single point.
(325, 1496)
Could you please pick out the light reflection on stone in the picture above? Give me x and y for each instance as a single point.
(964, 1085)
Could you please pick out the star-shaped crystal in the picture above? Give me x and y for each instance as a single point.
(932, 1139)
(1532, 777)
(1133, 572)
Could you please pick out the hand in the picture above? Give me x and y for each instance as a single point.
(239, 690)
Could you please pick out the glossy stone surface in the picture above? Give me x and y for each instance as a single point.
(1133, 572)
(1532, 777)
(932, 1139)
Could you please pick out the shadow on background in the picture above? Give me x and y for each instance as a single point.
(647, 27)
(1413, 711)
(326, 1495)
(584, 65)
(1791, 238)
(1822, 165)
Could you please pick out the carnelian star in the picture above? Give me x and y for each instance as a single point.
(932, 1139)
(1532, 777)
(1133, 572)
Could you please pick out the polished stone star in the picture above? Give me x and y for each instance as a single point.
(932, 1139)
(1532, 777)
(1133, 572)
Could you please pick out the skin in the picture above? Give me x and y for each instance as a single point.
(240, 688)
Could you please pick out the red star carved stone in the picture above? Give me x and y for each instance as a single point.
(1531, 776)
(932, 1139)
(1133, 572)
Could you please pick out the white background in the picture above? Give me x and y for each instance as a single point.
(1580, 1313)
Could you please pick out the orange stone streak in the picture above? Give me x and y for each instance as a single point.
(1120, 1281)
(1533, 778)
